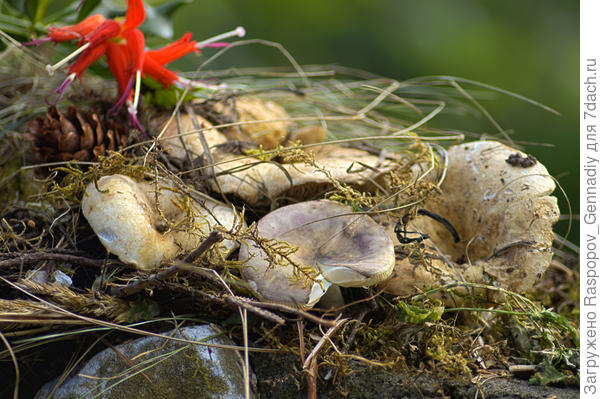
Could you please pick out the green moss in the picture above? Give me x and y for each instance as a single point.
(182, 375)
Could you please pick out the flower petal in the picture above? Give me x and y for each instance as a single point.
(135, 14)
(159, 72)
(107, 30)
(118, 61)
(87, 58)
(135, 47)
(175, 50)
(76, 31)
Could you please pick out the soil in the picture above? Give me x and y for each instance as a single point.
(279, 376)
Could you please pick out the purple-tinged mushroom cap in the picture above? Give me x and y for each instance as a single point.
(341, 247)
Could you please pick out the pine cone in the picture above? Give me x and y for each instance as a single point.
(76, 135)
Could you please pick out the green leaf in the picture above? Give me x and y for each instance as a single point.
(159, 96)
(13, 25)
(36, 9)
(561, 321)
(159, 19)
(152, 83)
(41, 10)
(87, 8)
(18, 5)
(416, 315)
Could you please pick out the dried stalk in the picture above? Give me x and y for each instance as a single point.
(310, 366)
(154, 279)
(33, 258)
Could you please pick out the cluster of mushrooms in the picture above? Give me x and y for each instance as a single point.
(493, 221)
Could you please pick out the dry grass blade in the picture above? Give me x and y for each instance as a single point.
(15, 363)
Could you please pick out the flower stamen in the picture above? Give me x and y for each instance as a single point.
(52, 68)
(60, 90)
(217, 44)
(132, 106)
(37, 42)
(239, 32)
(138, 83)
(133, 120)
(117, 107)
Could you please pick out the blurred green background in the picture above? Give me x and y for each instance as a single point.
(530, 47)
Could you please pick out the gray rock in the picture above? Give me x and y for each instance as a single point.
(175, 370)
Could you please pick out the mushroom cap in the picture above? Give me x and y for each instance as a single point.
(258, 182)
(487, 200)
(182, 140)
(346, 249)
(311, 134)
(248, 109)
(503, 213)
(124, 216)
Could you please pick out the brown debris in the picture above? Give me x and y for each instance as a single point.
(75, 135)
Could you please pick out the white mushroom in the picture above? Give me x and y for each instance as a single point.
(498, 199)
(311, 134)
(183, 140)
(247, 110)
(340, 247)
(124, 216)
(258, 181)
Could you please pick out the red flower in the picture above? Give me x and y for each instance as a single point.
(77, 31)
(122, 43)
(125, 61)
(175, 50)
(155, 60)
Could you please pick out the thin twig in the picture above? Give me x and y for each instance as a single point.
(354, 331)
(310, 366)
(98, 322)
(520, 243)
(226, 301)
(213, 238)
(154, 279)
(248, 303)
(244, 319)
(291, 309)
(311, 379)
(36, 257)
(301, 344)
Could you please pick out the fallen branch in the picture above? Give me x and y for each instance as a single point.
(33, 258)
(155, 279)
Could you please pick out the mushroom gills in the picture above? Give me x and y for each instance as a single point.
(342, 275)
(319, 288)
